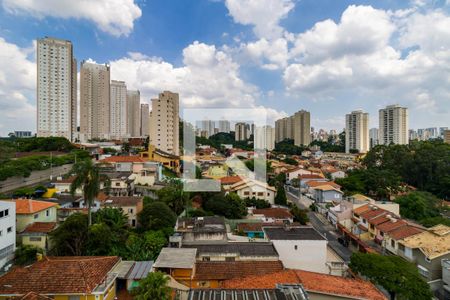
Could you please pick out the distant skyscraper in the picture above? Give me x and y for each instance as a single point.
(118, 110)
(393, 125)
(413, 135)
(94, 101)
(265, 137)
(373, 137)
(208, 127)
(357, 131)
(134, 113)
(442, 130)
(164, 122)
(240, 131)
(302, 128)
(446, 135)
(145, 120)
(56, 89)
(224, 126)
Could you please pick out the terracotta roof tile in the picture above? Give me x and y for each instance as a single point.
(277, 213)
(218, 270)
(378, 220)
(58, 275)
(387, 227)
(119, 159)
(33, 296)
(40, 227)
(312, 282)
(310, 176)
(123, 200)
(250, 226)
(361, 209)
(230, 179)
(373, 213)
(29, 206)
(404, 232)
(315, 183)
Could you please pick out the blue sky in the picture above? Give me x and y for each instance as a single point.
(326, 56)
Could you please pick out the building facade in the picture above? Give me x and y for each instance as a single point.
(208, 127)
(357, 131)
(164, 122)
(446, 136)
(393, 125)
(94, 101)
(302, 128)
(7, 232)
(224, 126)
(265, 137)
(373, 137)
(118, 110)
(56, 89)
(134, 113)
(240, 131)
(145, 120)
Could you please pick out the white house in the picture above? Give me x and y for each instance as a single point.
(7, 232)
(299, 247)
(294, 173)
(327, 193)
(272, 215)
(253, 188)
(337, 174)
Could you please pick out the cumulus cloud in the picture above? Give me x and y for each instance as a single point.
(17, 88)
(263, 15)
(115, 17)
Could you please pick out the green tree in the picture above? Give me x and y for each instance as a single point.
(399, 277)
(258, 203)
(433, 221)
(290, 161)
(300, 215)
(86, 177)
(26, 254)
(156, 215)
(280, 197)
(71, 237)
(174, 196)
(153, 287)
(419, 205)
(230, 206)
(114, 218)
(100, 240)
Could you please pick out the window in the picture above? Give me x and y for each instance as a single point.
(47, 212)
(206, 258)
(5, 252)
(130, 210)
(117, 183)
(133, 222)
(246, 193)
(423, 271)
(295, 247)
(1, 232)
(260, 194)
(6, 212)
(36, 216)
(9, 229)
(229, 259)
(35, 238)
(392, 243)
(74, 298)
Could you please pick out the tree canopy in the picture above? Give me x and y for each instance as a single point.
(153, 287)
(156, 216)
(280, 197)
(230, 206)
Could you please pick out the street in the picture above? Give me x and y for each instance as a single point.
(321, 225)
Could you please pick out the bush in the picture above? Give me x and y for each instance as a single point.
(156, 215)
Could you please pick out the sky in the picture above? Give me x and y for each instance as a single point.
(326, 56)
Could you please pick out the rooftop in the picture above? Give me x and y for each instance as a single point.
(29, 206)
(176, 258)
(310, 176)
(404, 232)
(315, 183)
(312, 282)
(123, 200)
(222, 270)
(40, 227)
(243, 249)
(58, 275)
(274, 212)
(391, 225)
(230, 179)
(123, 159)
(434, 242)
(292, 233)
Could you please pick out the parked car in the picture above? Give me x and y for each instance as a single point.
(343, 241)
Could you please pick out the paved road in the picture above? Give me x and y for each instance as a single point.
(326, 229)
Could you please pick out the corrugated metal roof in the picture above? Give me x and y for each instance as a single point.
(140, 270)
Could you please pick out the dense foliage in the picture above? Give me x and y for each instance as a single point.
(287, 147)
(153, 287)
(300, 215)
(230, 206)
(330, 145)
(258, 203)
(26, 255)
(399, 277)
(280, 198)
(221, 138)
(156, 216)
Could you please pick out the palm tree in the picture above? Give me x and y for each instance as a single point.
(153, 287)
(86, 177)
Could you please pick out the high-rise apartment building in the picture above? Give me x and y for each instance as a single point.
(284, 129)
(164, 122)
(208, 127)
(56, 92)
(118, 110)
(224, 126)
(94, 101)
(240, 131)
(393, 125)
(446, 136)
(302, 128)
(134, 113)
(265, 137)
(373, 137)
(145, 120)
(357, 131)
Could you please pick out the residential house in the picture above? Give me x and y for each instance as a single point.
(37, 235)
(341, 213)
(128, 275)
(393, 237)
(299, 247)
(199, 230)
(178, 263)
(327, 193)
(228, 181)
(122, 183)
(211, 274)
(235, 251)
(251, 229)
(426, 250)
(133, 164)
(310, 185)
(254, 189)
(130, 205)
(337, 174)
(62, 185)
(29, 211)
(318, 286)
(303, 179)
(168, 160)
(148, 175)
(64, 277)
(277, 215)
(7, 232)
(296, 172)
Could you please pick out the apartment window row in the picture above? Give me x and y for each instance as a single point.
(5, 252)
(4, 213)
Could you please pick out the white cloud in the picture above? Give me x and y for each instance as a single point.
(17, 88)
(269, 54)
(112, 16)
(264, 15)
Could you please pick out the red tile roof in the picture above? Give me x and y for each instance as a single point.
(378, 220)
(219, 270)
(404, 232)
(310, 176)
(361, 209)
(315, 183)
(40, 227)
(34, 296)
(119, 159)
(250, 226)
(391, 225)
(372, 213)
(277, 213)
(123, 201)
(58, 275)
(312, 282)
(29, 206)
(230, 179)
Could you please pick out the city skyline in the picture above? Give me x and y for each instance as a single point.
(289, 75)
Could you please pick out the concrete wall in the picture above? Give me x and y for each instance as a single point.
(7, 239)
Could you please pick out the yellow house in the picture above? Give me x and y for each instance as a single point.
(29, 211)
(36, 234)
(168, 160)
(63, 278)
(178, 263)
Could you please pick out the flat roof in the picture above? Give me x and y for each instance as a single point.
(243, 249)
(292, 233)
(176, 258)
